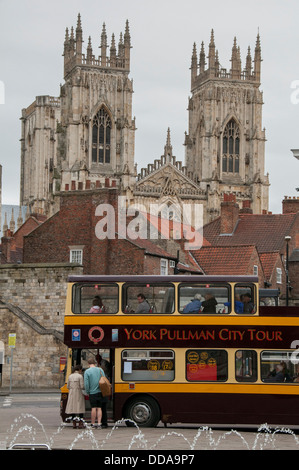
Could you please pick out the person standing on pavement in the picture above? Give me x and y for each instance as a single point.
(76, 402)
(91, 382)
(105, 365)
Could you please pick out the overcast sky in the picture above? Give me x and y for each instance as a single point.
(162, 33)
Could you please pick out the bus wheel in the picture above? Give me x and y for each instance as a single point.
(144, 411)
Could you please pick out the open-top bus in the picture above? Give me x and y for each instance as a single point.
(217, 364)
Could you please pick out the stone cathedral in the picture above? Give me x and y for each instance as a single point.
(84, 139)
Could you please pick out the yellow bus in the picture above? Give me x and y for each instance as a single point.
(186, 349)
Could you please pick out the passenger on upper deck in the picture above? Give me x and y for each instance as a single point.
(209, 305)
(194, 306)
(97, 305)
(248, 305)
(144, 306)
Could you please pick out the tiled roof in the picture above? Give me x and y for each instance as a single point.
(267, 232)
(268, 261)
(225, 260)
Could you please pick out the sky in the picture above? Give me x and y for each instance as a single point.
(162, 35)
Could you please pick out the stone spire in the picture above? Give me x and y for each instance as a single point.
(202, 59)
(257, 59)
(194, 64)
(12, 224)
(236, 61)
(104, 46)
(168, 146)
(212, 54)
(79, 37)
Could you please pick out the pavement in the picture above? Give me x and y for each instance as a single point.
(39, 426)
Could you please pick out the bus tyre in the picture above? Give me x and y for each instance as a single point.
(144, 411)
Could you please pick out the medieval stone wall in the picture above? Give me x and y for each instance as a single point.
(32, 306)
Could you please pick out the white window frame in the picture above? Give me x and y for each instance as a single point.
(163, 267)
(278, 275)
(255, 270)
(76, 255)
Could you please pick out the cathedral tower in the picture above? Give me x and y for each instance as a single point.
(97, 132)
(84, 139)
(225, 144)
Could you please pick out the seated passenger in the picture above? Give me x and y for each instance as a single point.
(144, 306)
(280, 374)
(97, 305)
(194, 306)
(239, 306)
(248, 306)
(209, 305)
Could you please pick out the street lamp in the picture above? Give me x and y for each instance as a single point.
(287, 239)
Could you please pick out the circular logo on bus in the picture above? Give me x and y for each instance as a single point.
(96, 334)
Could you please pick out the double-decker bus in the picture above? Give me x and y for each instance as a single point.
(186, 349)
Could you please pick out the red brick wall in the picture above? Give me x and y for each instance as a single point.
(75, 225)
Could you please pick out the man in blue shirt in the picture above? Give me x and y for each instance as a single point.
(194, 306)
(91, 384)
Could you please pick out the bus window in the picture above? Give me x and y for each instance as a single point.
(156, 298)
(147, 365)
(204, 298)
(277, 366)
(245, 298)
(246, 366)
(206, 365)
(95, 298)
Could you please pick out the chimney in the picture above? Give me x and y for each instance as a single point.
(229, 214)
(246, 207)
(290, 205)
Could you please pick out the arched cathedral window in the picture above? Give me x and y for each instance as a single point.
(231, 148)
(101, 136)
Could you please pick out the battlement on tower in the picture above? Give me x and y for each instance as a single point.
(118, 58)
(199, 72)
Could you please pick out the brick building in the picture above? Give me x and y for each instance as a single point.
(241, 242)
(70, 235)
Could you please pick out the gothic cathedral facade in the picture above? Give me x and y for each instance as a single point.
(84, 139)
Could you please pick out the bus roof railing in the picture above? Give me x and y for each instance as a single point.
(160, 278)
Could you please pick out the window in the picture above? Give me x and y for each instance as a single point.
(245, 298)
(95, 298)
(204, 298)
(155, 298)
(163, 267)
(148, 365)
(231, 148)
(246, 366)
(278, 367)
(101, 137)
(255, 270)
(278, 275)
(76, 256)
(206, 365)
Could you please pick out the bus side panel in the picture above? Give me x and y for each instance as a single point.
(221, 408)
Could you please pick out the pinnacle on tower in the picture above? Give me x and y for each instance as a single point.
(113, 52)
(257, 59)
(202, 59)
(168, 146)
(104, 46)
(79, 36)
(212, 54)
(194, 64)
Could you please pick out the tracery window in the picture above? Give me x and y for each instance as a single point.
(231, 148)
(101, 136)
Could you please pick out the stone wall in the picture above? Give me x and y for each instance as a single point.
(32, 306)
